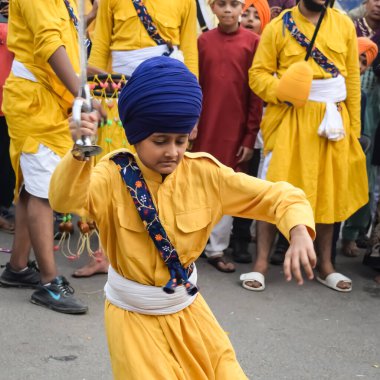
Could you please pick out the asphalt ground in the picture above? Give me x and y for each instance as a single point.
(285, 332)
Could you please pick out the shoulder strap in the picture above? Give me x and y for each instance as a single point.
(316, 54)
(142, 199)
(201, 19)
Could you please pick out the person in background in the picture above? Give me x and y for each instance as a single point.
(255, 16)
(7, 177)
(277, 6)
(315, 150)
(231, 112)
(358, 224)
(37, 96)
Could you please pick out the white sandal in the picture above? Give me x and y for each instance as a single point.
(253, 276)
(332, 281)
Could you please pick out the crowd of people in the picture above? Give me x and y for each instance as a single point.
(238, 116)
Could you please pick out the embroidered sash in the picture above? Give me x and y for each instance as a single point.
(74, 19)
(316, 54)
(142, 199)
(147, 21)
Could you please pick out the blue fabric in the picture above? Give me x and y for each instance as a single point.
(163, 96)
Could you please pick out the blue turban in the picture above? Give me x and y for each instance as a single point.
(162, 95)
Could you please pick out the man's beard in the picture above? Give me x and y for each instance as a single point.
(311, 6)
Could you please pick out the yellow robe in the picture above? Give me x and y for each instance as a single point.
(190, 344)
(119, 28)
(36, 113)
(332, 174)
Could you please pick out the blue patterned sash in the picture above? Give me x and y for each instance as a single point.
(142, 199)
(316, 54)
(148, 23)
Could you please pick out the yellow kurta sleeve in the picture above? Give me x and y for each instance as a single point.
(353, 80)
(78, 187)
(188, 37)
(278, 203)
(42, 19)
(261, 78)
(100, 51)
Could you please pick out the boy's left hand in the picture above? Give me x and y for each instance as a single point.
(245, 153)
(300, 253)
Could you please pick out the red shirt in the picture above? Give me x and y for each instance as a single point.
(6, 58)
(231, 112)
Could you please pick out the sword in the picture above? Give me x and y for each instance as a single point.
(84, 145)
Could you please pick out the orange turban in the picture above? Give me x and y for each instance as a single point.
(369, 48)
(262, 8)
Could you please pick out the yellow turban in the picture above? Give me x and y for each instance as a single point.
(369, 48)
(262, 8)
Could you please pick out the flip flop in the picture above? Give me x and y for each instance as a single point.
(253, 276)
(332, 280)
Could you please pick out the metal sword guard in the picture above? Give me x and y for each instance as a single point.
(85, 145)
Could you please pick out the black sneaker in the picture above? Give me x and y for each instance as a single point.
(28, 278)
(58, 296)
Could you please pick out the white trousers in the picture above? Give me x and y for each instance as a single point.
(220, 237)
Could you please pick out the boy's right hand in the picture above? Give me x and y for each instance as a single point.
(88, 127)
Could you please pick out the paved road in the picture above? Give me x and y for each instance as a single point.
(285, 332)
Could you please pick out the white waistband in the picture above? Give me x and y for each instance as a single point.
(145, 299)
(330, 91)
(126, 61)
(19, 70)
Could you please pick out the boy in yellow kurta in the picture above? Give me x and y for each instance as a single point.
(330, 168)
(37, 95)
(191, 191)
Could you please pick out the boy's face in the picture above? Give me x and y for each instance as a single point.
(250, 20)
(162, 152)
(363, 63)
(227, 12)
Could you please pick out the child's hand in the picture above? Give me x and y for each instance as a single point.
(88, 127)
(245, 153)
(300, 253)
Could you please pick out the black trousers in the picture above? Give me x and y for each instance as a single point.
(7, 175)
(241, 226)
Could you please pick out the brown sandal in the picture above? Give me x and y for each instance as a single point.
(221, 264)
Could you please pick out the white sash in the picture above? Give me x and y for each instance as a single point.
(144, 299)
(330, 91)
(126, 61)
(19, 70)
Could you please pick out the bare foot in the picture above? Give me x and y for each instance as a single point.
(350, 249)
(377, 279)
(97, 265)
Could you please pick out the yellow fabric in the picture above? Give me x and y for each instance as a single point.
(188, 344)
(36, 30)
(34, 116)
(91, 27)
(332, 174)
(37, 112)
(119, 28)
(111, 135)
